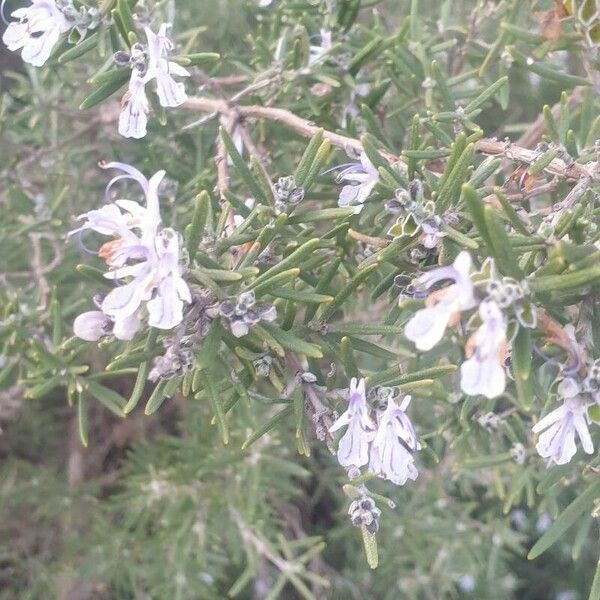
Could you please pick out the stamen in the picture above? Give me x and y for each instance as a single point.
(4, 19)
(78, 238)
(342, 166)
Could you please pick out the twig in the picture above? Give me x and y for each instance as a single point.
(306, 128)
(367, 239)
(558, 167)
(301, 126)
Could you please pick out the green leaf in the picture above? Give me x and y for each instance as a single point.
(270, 424)
(365, 329)
(101, 93)
(370, 545)
(594, 413)
(126, 17)
(543, 161)
(318, 164)
(79, 49)
(299, 296)
(449, 191)
(82, 419)
(119, 26)
(522, 355)
(324, 214)
(546, 72)
(567, 281)
(142, 374)
(292, 342)
(194, 231)
(510, 212)
(274, 282)
(393, 377)
(566, 519)
(111, 399)
(157, 397)
(308, 158)
(488, 93)
(347, 358)
(500, 244)
(364, 54)
(199, 58)
(210, 387)
(595, 591)
(345, 293)
(121, 74)
(295, 259)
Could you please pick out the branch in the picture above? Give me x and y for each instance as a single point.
(306, 128)
(301, 126)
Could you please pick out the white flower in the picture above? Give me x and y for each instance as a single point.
(133, 119)
(362, 179)
(483, 373)
(165, 310)
(37, 31)
(94, 324)
(239, 219)
(557, 429)
(170, 93)
(353, 449)
(154, 277)
(156, 280)
(315, 52)
(393, 445)
(120, 217)
(426, 328)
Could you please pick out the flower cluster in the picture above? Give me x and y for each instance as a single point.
(557, 429)
(39, 27)
(495, 298)
(149, 63)
(143, 258)
(364, 513)
(287, 193)
(416, 216)
(360, 179)
(245, 313)
(385, 443)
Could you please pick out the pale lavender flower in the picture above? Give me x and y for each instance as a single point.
(119, 218)
(156, 280)
(155, 276)
(362, 178)
(431, 235)
(393, 444)
(557, 429)
(37, 31)
(94, 324)
(170, 92)
(133, 119)
(426, 328)
(483, 373)
(353, 449)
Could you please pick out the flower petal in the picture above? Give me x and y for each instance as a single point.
(92, 325)
(426, 328)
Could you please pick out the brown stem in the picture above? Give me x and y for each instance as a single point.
(301, 126)
(306, 128)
